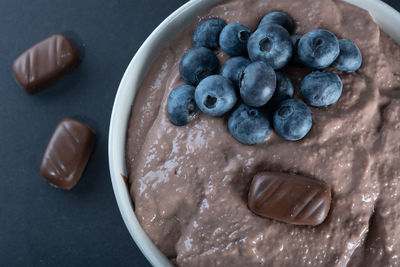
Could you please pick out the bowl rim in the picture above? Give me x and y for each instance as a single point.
(384, 15)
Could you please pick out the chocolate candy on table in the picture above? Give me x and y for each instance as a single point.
(289, 198)
(45, 63)
(67, 153)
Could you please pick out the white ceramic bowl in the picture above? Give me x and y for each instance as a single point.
(385, 16)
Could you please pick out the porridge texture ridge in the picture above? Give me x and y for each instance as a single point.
(189, 184)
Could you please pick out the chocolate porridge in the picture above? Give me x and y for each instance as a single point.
(189, 184)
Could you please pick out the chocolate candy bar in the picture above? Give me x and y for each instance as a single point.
(67, 153)
(45, 63)
(289, 198)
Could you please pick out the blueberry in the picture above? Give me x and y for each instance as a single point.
(196, 64)
(292, 120)
(279, 18)
(270, 44)
(215, 95)
(233, 39)
(295, 61)
(207, 33)
(233, 68)
(181, 105)
(318, 49)
(249, 125)
(257, 84)
(321, 88)
(284, 89)
(350, 58)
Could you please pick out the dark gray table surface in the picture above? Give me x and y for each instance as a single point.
(41, 225)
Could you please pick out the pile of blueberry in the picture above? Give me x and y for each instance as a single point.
(251, 73)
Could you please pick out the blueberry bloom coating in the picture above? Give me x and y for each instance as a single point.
(234, 67)
(249, 125)
(181, 105)
(284, 89)
(196, 64)
(270, 44)
(233, 39)
(321, 88)
(215, 95)
(350, 58)
(257, 84)
(318, 49)
(279, 18)
(292, 120)
(207, 33)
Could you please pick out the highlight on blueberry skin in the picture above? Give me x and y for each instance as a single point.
(257, 84)
(318, 49)
(321, 88)
(182, 107)
(279, 18)
(234, 67)
(350, 58)
(271, 44)
(233, 39)
(207, 33)
(197, 64)
(215, 95)
(284, 89)
(249, 125)
(292, 120)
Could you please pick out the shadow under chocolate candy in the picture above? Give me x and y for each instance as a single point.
(77, 41)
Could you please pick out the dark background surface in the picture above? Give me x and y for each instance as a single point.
(41, 225)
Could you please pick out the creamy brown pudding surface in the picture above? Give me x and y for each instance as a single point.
(189, 184)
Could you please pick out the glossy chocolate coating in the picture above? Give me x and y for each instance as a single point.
(289, 198)
(67, 153)
(45, 63)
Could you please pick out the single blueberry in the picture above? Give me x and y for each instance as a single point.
(249, 125)
(318, 49)
(233, 68)
(295, 61)
(257, 84)
(182, 107)
(292, 120)
(215, 95)
(233, 39)
(321, 88)
(284, 89)
(198, 63)
(270, 44)
(279, 18)
(207, 33)
(350, 58)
